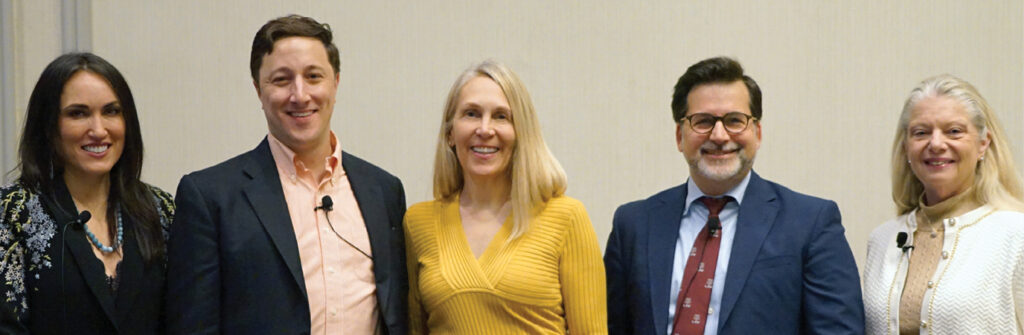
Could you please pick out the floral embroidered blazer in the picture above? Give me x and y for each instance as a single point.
(49, 290)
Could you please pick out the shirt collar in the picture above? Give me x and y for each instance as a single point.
(693, 192)
(290, 165)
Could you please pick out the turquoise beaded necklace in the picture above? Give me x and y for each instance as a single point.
(117, 243)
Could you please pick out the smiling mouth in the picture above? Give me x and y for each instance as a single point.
(938, 162)
(484, 150)
(717, 152)
(96, 148)
(301, 113)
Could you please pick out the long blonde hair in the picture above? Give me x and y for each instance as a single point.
(536, 176)
(996, 181)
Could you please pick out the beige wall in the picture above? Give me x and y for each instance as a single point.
(834, 75)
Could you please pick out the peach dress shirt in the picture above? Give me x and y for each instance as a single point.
(339, 278)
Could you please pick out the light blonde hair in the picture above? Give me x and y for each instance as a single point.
(996, 180)
(535, 174)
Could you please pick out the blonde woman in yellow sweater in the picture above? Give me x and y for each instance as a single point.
(500, 249)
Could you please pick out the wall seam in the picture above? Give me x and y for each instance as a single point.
(8, 138)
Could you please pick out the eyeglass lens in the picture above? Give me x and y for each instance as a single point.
(734, 122)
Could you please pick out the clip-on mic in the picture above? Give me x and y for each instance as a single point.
(326, 204)
(901, 241)
(714, 224)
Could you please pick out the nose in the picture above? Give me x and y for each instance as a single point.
(718, 133)
(300, 91)
(936, 142)
(485, 128)
(97, 126)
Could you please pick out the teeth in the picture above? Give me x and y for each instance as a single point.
(96, 148)
(938, 163)
(301, 114)
(484, 150)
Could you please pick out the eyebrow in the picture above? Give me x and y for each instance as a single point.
(114, 103)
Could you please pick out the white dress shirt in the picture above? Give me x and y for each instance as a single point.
(695, 216)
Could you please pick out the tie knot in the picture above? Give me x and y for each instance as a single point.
(715, 205)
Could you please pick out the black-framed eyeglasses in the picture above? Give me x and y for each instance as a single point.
(734, 122)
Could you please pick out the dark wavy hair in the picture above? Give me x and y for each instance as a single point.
(290, 26)
(717, 70)
(40, 159)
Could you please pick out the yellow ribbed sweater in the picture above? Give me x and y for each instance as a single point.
(547, 281)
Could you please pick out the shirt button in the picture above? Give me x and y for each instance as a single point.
(334, 312)
(325, 230)
(945, 254)
(711, 310)
(330, 270)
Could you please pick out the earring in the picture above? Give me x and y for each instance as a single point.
(982, 157)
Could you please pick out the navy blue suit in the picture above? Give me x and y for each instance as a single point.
(233, 262)
(791, 270)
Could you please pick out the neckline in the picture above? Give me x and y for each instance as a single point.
(956, 206)
(493, 246)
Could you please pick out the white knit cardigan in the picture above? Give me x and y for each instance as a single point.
(977, 288)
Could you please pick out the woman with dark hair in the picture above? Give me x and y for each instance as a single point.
(82, 238)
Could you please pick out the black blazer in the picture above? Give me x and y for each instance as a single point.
(233, 262)
(31, 229)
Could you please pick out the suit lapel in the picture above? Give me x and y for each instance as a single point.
(756, 217)
(663, 231)
(371, 203)
(266, 197)
(89, 267)
(131, 278)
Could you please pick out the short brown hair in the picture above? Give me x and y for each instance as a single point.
(717, 70)
(290, 26)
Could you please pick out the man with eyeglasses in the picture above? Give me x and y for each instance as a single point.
(728, 252)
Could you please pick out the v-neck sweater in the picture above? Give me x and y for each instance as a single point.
(548, 281)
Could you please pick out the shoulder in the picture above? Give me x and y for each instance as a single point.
(12, 194)
(13, 203)
(159, 193)
(20, 207)
(565, 203)
(564, 210)
(421, 210)
(634, 210)
(228, 167)
(793, 198)
(886, 232)
(354, 164)
(421, 220)
(422, 215)
(1013, 219)
(164, 202)
(1006, 223)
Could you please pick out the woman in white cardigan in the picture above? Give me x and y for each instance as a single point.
(953, 261)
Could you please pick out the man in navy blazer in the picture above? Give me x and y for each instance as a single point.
(783, 266)
(240, 261)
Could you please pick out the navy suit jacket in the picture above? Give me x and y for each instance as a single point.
(233, 262)
(791, 269)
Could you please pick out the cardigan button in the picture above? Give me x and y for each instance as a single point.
(931, 284)
(945, 255)
(924, 324)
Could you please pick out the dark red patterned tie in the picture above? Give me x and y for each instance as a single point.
(699, 275)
